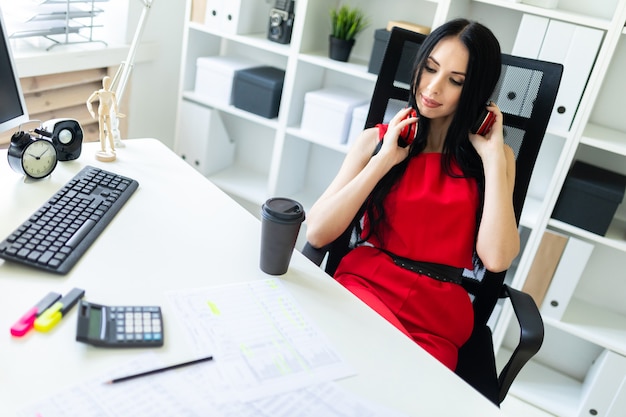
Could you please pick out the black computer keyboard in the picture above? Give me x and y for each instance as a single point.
(56, 236)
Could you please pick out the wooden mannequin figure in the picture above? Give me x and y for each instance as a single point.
(108, 104)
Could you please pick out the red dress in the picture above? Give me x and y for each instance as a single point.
(431, 217)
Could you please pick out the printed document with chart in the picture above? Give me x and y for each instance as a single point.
(261, 341)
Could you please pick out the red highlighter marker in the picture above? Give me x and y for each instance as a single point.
(27, 321)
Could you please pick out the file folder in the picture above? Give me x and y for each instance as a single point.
(574, 46)
(566, 277)
(530, 34)
(618, 405)
(203, 140)
(602, 383)
(544, 265)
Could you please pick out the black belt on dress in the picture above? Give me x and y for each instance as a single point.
(440, 272)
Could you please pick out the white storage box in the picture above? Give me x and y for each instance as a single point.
(214, 76)
(359, 116)
(240, 17)
(327, 113)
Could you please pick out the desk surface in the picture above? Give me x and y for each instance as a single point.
(148, 250)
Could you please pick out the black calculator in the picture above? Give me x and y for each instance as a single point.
(119, 326)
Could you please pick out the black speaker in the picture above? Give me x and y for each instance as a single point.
(66, 136)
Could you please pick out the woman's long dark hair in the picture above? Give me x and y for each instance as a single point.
(483, 72)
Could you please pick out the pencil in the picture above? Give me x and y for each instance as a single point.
(159, 370)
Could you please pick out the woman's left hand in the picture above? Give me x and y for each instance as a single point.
(493, 141)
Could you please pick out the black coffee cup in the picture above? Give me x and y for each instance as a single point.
(280, 224)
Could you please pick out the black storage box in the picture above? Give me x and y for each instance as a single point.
(407, 60)
(590, 197)
(258, 90)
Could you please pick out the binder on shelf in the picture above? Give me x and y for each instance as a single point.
(574, 46)
(530, 34)
(203, 140)
(213, 13)
(566, 277)
(602, 383)
(618, 405)
(544, 265)
(198, 11)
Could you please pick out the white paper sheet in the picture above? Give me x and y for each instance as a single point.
(183, 393)
(261, 341)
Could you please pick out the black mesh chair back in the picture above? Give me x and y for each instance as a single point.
(525, 93)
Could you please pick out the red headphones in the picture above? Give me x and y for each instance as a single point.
(409, 132)
(484, 123)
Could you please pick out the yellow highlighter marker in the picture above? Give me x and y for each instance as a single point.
(213, 307)
(55, 313)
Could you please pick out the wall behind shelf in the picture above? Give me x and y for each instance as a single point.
(609, 110)
(154, 91)
(573, 361)
(603, 283)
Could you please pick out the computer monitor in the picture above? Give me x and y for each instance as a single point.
(13, 110)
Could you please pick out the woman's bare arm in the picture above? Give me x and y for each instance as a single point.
(360, 172)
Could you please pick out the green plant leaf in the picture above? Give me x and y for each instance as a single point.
(347, 22)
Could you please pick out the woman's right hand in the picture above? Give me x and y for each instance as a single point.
(390, 150)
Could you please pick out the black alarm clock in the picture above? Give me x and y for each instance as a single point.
(66, 136)
(35, 157)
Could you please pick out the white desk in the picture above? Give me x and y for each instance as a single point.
(149, 249)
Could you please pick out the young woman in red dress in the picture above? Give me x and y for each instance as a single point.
(426, 211)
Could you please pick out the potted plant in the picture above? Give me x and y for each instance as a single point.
(346, 23)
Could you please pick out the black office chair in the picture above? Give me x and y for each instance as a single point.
(525, 93)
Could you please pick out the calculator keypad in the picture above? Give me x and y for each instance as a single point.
(142, 325)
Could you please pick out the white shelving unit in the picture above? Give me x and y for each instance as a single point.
(276, 157)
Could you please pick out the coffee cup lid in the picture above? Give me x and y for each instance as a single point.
(283, 209)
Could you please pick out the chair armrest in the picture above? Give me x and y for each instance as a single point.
(335, 250)
(315, 255)
(531, 336)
